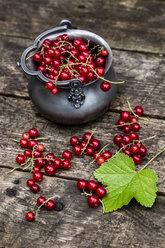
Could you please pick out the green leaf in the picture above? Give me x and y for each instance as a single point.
(123, 183)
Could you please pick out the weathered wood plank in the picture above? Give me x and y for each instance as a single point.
(132, 25)
(19, 115)
(144, 76)
(76, 225)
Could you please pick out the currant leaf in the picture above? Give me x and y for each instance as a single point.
(123, 183)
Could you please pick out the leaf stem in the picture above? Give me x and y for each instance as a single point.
(161, 151)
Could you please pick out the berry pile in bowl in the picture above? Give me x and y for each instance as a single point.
(71, 78)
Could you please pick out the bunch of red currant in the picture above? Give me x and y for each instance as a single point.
(129, 143)
(63, 59)
(91, 187)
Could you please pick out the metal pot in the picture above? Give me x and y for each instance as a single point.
(74, 104)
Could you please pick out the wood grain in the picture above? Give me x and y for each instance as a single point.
(134, 25)
(76, 225)
(143, 74)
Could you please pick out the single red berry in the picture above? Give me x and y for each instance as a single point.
(32, 143)
(83, 144)
(50, 157)
(30, 182)
(118, 139)
(127, 152)
(139, 144)
(99, 61)
(40, 147)
(30, 216)
(138, 110)
(105, 86)
(50, 85)
(81, 184)
(74, 141)
(67, 155)
(120, 123)
(134, 136)
(126, 129)
(104, 52)
(92, 185)
(40, 162)
(35, 188)
(142, 151)
(93, 201)
(50, 205)
(136, 158)
(26, 136)
(88, 136)
(57, 53)
(37, 154)
(100, 71)
(56, 63)
(23, 143)
(107, 155)
(100, 160)
(134, 149)
(89, 150)
(77, 149)
(65, 37)
(135, 127)
(96, 155)
(55, 90)
(47, 42)
(126, 139)
(28, 153)
(33, 132)
(77, 42)
(91, 76)
(83, 79)
(37, 57)
(75, 52)
(125, 115)
(64, 75)
(57, 163)
(101, 191)
(20, 159)
(50, 170)
(41, 200)
(42, 69)
(66, 164)
(133, 119)
(82, 58)
(82, 47)
(37, 176)
(95, 144)
(36, 168)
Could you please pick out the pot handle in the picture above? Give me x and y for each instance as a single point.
(64, 25)
(76, 95)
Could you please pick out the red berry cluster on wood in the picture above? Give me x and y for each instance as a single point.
(129, 142)
(62, 59)
(92, 190)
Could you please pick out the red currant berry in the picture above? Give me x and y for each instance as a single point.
(87, 136)
(134, 149)
(47, 60)
(126, 129)
(42, 69)
(92, 185)
(138, 110)
(50, 170)
(96, 155)
(101, 191)
(64, 75)
(67, 155)
(23, 143)
(66, 164)
(50, 205)
(81, 184)
(82, 47)
(20, 159)
(35, 188)
(139, 144)
(40, 162)
(134, 136)
(28, 153)
(37, 176)
(40, 147)
(125, 115)
(95, 144)
(30, 216)
(32, 143)
(93, 201)
(121, 145)
(99, 61)
(107, 155)
(77, 149)
(57, 163)
(127, 152)
(120, 123)
(89, 150)
(83, 144)
(50, 85)
(137, 159)
(65, 37)
(26, 136)
(135, 127)
(74, 141)
(41, 200)
(100, 71)
(55, 90)
(100, 160)
(90, 76)
(104, 52)
(105, 86)
(82, 58)
(37, 57)
(36, 168)
(56, 63)
(126, 139)
(30, 182)
(118, 139)
(133, 119)
(37, 154)
(77, 42)
(50, 156)
(142, 151)
(33, 132)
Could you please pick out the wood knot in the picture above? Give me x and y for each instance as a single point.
(11, 192)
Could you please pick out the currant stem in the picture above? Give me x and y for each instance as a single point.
(131, 110)
(43, 204)
(10, 171)
(88, 141)
(152, 159)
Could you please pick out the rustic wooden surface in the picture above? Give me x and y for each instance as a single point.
(135, 30)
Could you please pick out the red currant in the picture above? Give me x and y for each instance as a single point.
(135, 127)
(26, 136)
(118, 139)
(50, 170)
(136, 158)
(134, 136)
(57, 163)
(50, 85)
(95, 144)
(100, 71)
(134, 149)
(101, 191)
(23, 143)
(138, 110)
(30, 216)
(133, 119)
(40, 162)
(126, 129)
(28, 153)
(105, 86)
(99, 61)
(36, 168)
(142, 151)
(127, 152)
(74, 141)
(88, 136)
(125, 115)
(126, 139)
(93, 201)
(41, 200)
(81, 184)
(92, 185)
(104, 52)
(40, 147)
(30, 182)
(37, 176)
(20, 159)
(100, 160)
(107, 155)
(35, 188)
(77, 149)
(120, 123)
(37, 57)
(66, 164)
(33, 132)
(67, 155)
(32, 143)
(50, 205)
(89, 150)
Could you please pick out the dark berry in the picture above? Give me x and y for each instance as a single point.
(35, 188)
(93, 201)
(136, 158)
(142, 151)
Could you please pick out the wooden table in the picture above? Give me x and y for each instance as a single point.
(136, 32)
